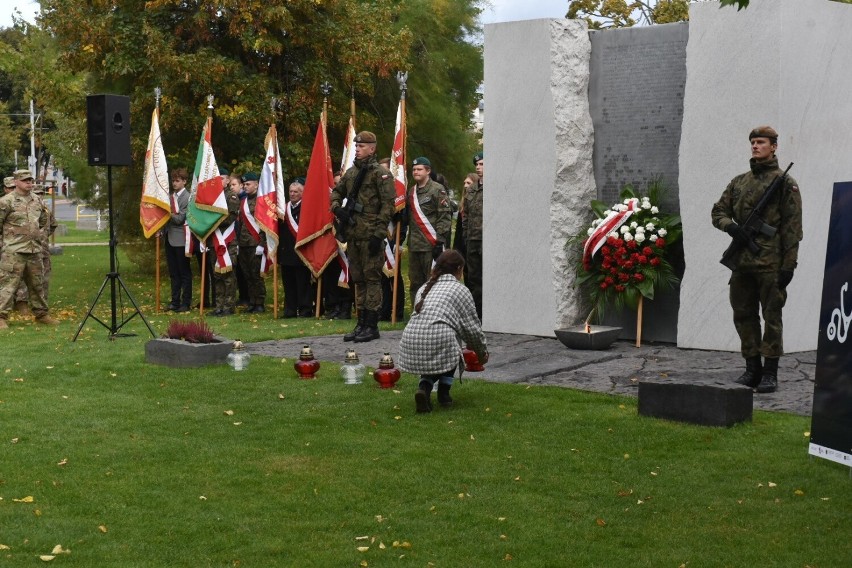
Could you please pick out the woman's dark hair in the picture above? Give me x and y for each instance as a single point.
(450, 262)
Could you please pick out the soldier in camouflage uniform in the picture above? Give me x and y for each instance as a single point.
(21, 296)
(251, 248)
(365, 222)
(225, 283)
(759, 282)
(429, 221)
(23, 219)
(472, 228)
(45, 241)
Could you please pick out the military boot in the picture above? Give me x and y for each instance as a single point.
(344, 311)
(444, 398)
(47, 320)
(423, 397)
(359, 327)
(371, 327)
(769, 380)
(751, 377)
(22, 308)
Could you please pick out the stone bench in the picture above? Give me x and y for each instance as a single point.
(705, 402)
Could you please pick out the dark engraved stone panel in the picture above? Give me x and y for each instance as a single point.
(636, 88)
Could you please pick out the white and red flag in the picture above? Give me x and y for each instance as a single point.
(315, 242)
(397, 163)
(270, 190)
(207, 205)
(348, 159)
(155, 207)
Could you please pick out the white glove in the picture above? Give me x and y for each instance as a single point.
(258, 251)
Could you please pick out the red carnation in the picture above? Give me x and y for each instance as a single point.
(629, 265)
(655, 261)
(604, 285)
(613, 270)
(611, 241)
(605, 250)
(642, 259)
(647, 251)
(609, 280)
(623, 276)
(620, 288)
(632, 245)
(622, 251)
(639, 277)
(660, 243)
(619, 242)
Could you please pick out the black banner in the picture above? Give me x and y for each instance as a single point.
(831, 425)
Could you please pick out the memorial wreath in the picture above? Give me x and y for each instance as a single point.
(624, 254)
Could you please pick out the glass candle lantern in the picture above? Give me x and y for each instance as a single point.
(352, 371)
(239, 358)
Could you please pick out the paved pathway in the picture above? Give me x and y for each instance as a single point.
(545, 361)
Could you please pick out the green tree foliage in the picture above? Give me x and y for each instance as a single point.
(246, 52)
(602, 14)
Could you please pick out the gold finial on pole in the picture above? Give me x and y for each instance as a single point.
(158, 94)
(402, 79)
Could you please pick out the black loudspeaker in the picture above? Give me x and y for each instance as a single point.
(108, 118)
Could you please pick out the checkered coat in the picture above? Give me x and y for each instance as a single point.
(431, 342)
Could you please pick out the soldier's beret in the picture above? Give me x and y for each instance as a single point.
(477, 157)
(764, 132)
(422, 161)
(366, 137)
(9, 181)
(299, 180)
(223, 171)
(23, 174)
(250, 176)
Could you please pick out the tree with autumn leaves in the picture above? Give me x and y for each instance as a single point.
(246, 52)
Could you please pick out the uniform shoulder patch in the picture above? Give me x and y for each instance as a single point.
(794, 187)
(385, 176)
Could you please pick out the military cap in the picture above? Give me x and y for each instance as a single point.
(366, 137)
(477, 157)
(9, 181)
(299, 180)
(223, 171)
(23, 174)
(764, 132)
(250, 176)
(38, 189)
(422, 161)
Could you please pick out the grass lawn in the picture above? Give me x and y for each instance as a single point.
(75, 235)
(128, 464)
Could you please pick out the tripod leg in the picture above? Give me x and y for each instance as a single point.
(91, 308)
(135, 307)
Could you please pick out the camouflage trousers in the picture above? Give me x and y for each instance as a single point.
(225, 289)
(21, 295)
(419, 269)
(473, 277)
(22, 267)
(365, 273)
(249, 264)
(751, 294)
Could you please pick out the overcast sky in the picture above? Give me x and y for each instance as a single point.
(500, 10)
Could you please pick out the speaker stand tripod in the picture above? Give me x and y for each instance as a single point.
(114, 280)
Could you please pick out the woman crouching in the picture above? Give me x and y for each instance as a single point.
(444, 318)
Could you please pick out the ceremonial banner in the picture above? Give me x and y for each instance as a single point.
(269, 190)
(831, 422)
(155, 208)
(207, 205)
(315, 242)
(397, 164)
(348, 159)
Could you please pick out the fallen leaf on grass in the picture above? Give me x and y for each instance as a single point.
(4, 547)
(798, 492)
(362, 537)
(397, 417)
(59, 550)
(472, 437)
(382, 545)
(46, 557)
(27, 499)
(113, 375)
(504, 537)
(824, 498)
(363, 548)
(280, 396)
(600, 522)
(19, 380)
(15, 440)
(102, 528)
(229, 413)
(770, 484)
(625, 492)
(238, 423)
(63, 461)
(807, 434)
(403, 544)
(380, 518)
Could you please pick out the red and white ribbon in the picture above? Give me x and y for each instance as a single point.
(610, 223)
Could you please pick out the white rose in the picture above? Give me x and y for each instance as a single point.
(654, 210)
(640, 229)
(649, 227)
(653, 238)
(640, 237)
(624, 229)
(590, 231)
(613, 235)
(662, 232)
(634, 224)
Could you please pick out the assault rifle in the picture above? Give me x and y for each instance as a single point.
(754, 224)
(351, 208)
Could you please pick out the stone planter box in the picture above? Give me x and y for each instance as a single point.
(179, 353)
(600, 336)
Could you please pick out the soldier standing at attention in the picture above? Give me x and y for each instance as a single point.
(429, 221)
(759, 281)
(370, 193)
(251, 241)
(225, 281)
(472, 227)
(23, 219)
(45, 240)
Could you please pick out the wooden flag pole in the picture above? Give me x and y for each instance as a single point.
(203, 274)
(639, 322)
(157, 273)
(402, 79)
(319, 296)
(157, 94)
